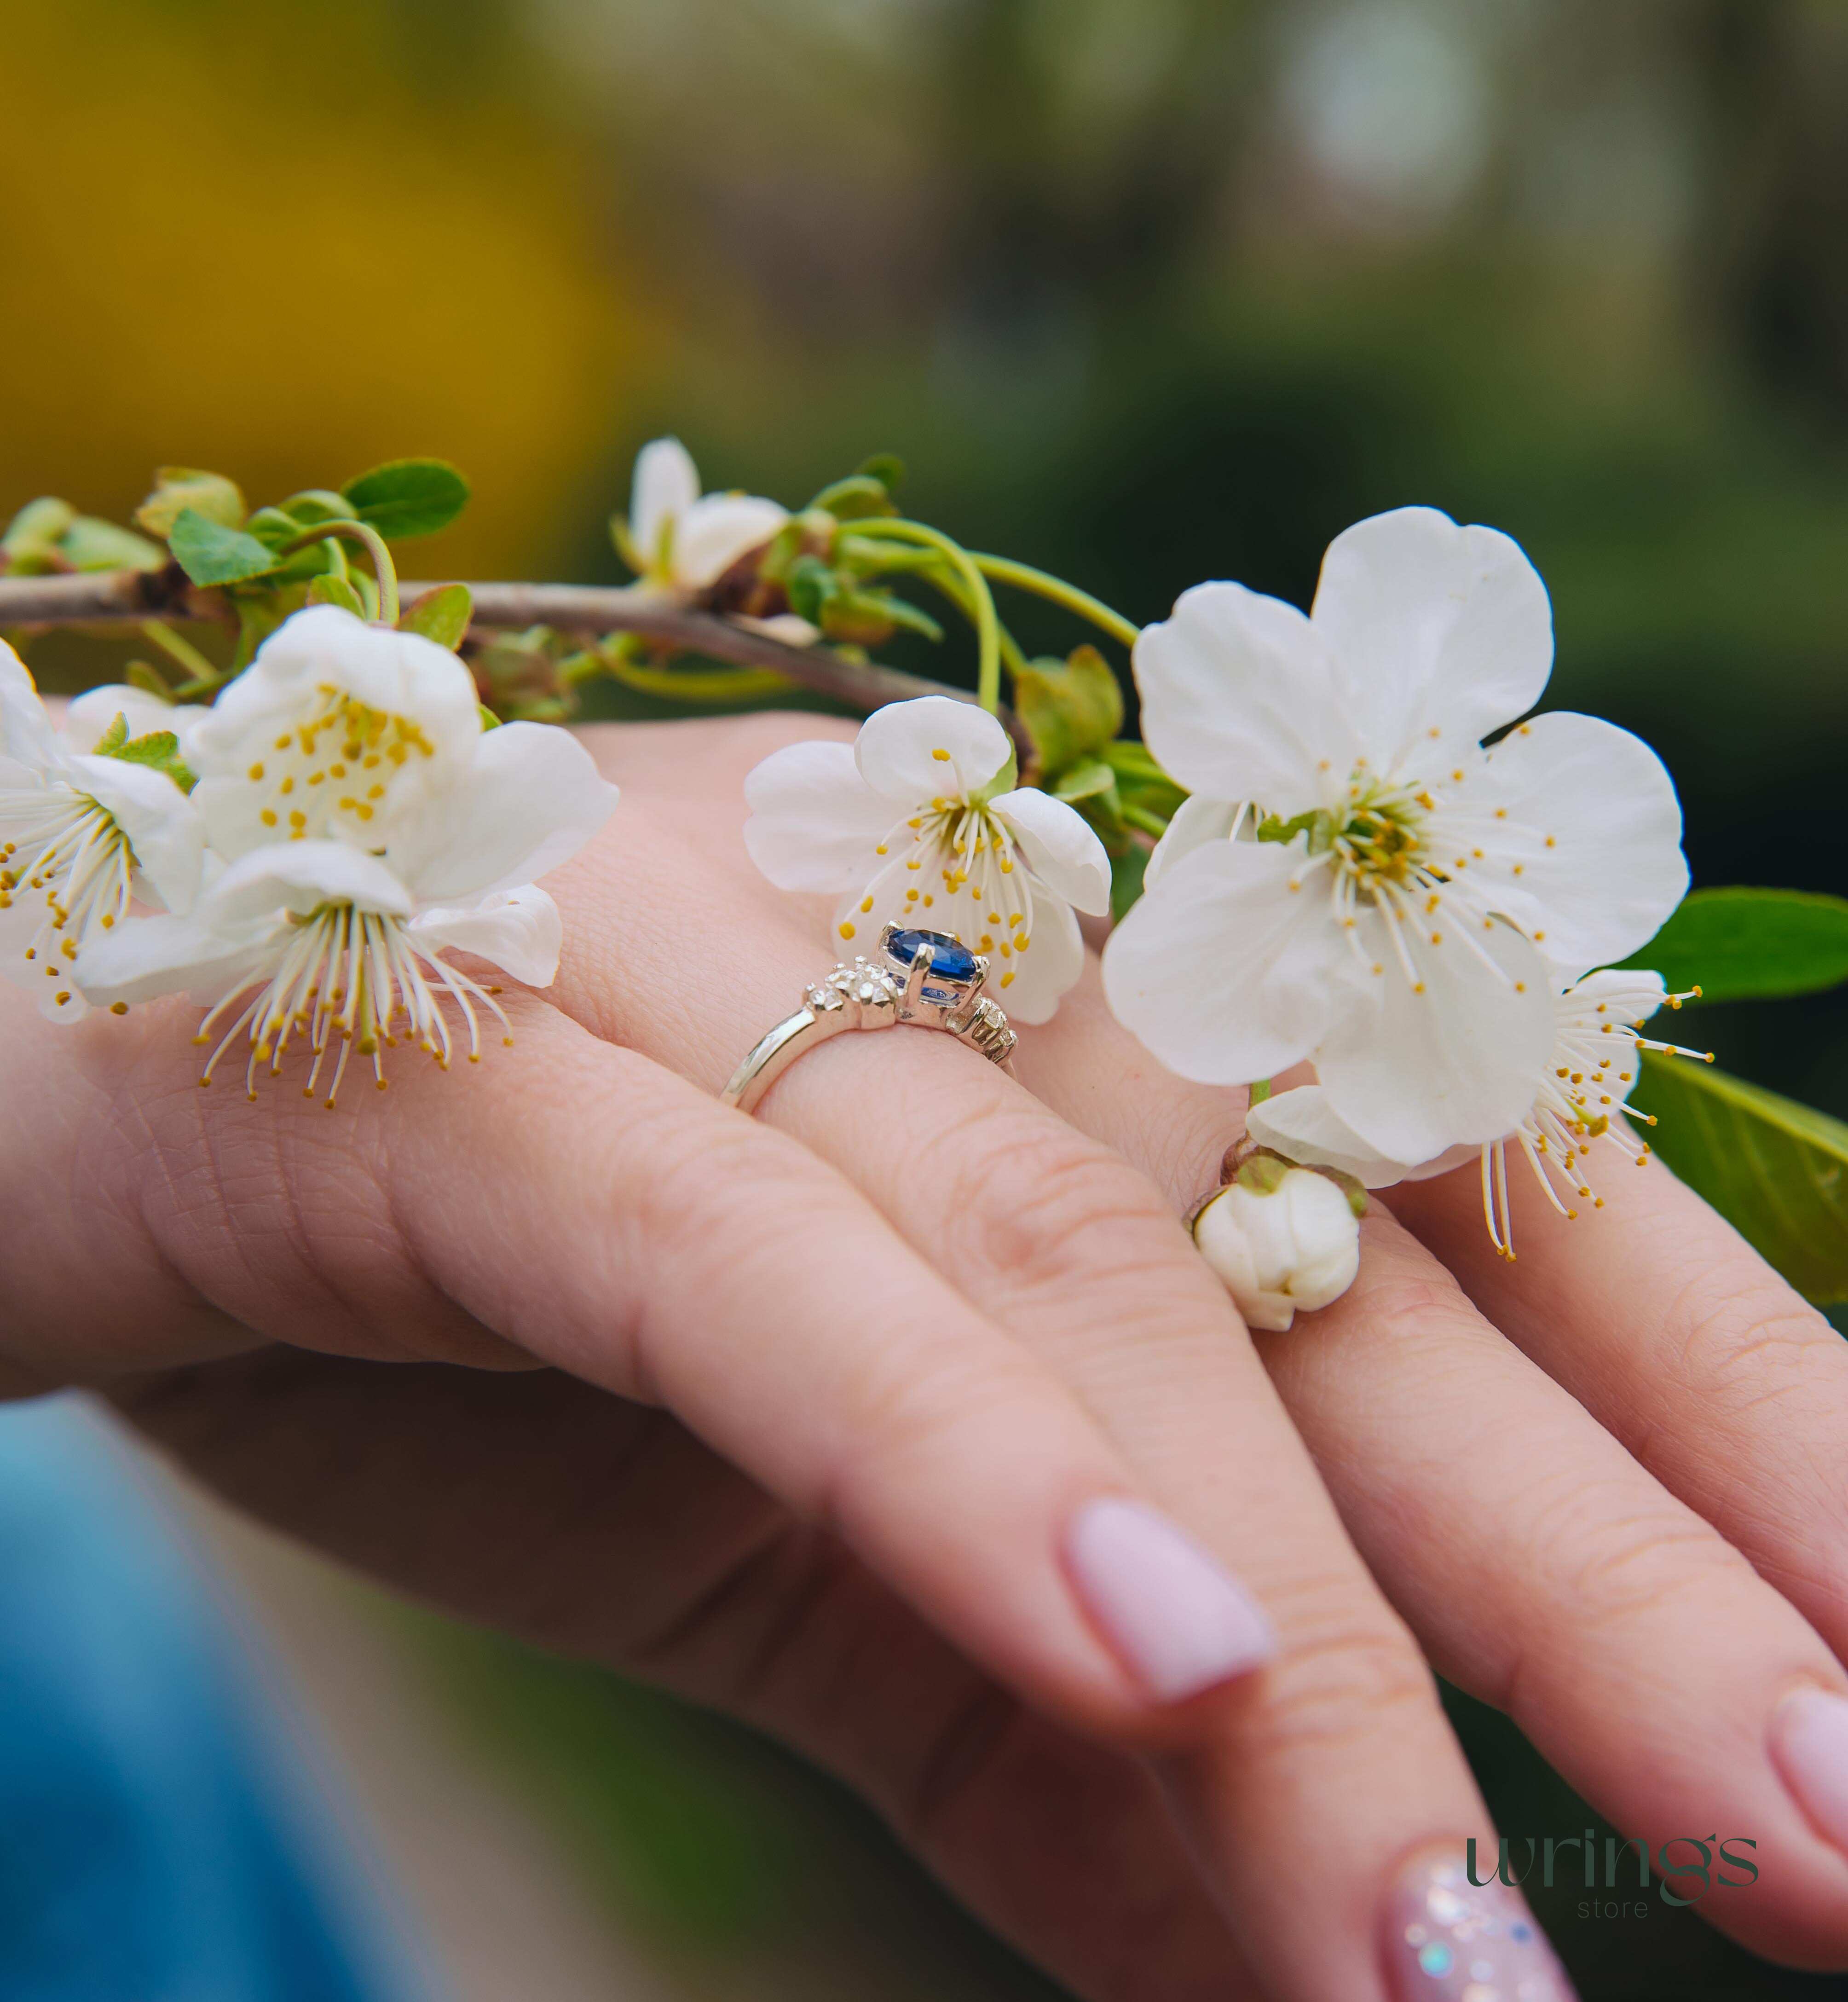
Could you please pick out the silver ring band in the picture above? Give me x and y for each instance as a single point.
(922, 977)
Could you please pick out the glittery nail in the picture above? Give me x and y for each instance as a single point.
(1447, 1940)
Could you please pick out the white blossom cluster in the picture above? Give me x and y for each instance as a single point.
(303, 854)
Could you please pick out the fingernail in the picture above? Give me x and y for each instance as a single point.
(1809, 1746)
(1179, 1622)
(1447, 1940)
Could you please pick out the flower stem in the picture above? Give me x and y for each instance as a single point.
(690, 684)
(383, 568)
(202, 676)
(987, 626)
(1140, 817)
(1023, 576)
(1260, 1089)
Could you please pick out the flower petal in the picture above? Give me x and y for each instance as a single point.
(912, 752)
(1433, 628)
(1418, 1073)
(149, 956)
(1030, 986)
(167, 835)
(530, 799)
(518, 930)
(26, 731)
(815, 824)
(1301, 1124)
(297, 876)
(1593, 824)
(666, 485)
(398, 673)
(1238, 699)
(1057, 845)
(1222, 970)
(93, 713)
(1197, 820)
(714, 531)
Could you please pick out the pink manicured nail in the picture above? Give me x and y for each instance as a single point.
(1447, 1940)
(1809, 1746)
(1180, 1623)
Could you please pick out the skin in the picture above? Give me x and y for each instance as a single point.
(790, 1415)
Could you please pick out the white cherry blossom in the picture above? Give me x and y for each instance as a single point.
(919, 823)
(84, 831)
(684, 540)
(1282, 1243)
(366, 822)
(1356, 879)
(1578, 1099)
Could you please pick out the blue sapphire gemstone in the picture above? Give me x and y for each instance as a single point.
(955, 962)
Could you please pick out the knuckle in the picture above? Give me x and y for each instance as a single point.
(1348, 1673)
(1039, 1203)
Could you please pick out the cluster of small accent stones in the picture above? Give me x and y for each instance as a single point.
(987, 1031)
(871, 986)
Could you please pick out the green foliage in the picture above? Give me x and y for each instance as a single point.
(48, 536)
(179, 487)
(91, 543)
(441, 615)
(1740, 944)
(409, 496)
(329, 589)
(158, 749)
(210, 553)
(1776, 1171)
(1126, 872)
(1071, 708)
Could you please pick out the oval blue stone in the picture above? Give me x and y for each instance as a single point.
(953, 961)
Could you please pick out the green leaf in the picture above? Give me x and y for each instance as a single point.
(113, 738)
(409, 497)
(1741, 944)
(441, 615)
(210, 553)
(887, 467)
(159, 750)
(1089, 779)
(91, 543)
(854, 500)
(1775, 1169)
(316, 504)
(178, 487)
(331, 590)
(1071, 708)
(812, 588)
(871, 617)
(29, 547)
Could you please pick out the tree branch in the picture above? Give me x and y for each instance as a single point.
(127, 597)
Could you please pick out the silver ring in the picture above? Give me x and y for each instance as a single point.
(923, 977)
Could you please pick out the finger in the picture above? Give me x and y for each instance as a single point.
(1542, 1568)
(596, 1212)
(1344, 1758)
(1730, 1387)
(599, 1528)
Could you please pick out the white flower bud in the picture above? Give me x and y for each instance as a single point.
(1296, 1244)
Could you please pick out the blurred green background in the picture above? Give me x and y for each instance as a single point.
(1144, 291)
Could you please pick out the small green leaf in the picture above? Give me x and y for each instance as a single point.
(91, 543)
(409, 497)
(112, 739)
(1740, 944)
(158, 750)
(316, 504)
(29, 547)
(178, 487)
(1775, 1169)
(441, 615)
(857, 499)
(1071, 708)
(331, 590)
(871, 617)
(887, 467)
(1089, 779)
(210, 553)
(812, 588)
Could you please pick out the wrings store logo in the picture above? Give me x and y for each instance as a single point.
(1684, 1878)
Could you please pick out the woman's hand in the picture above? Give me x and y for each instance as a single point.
(895, 1475)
